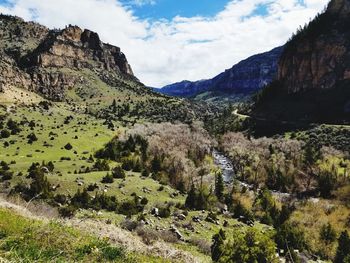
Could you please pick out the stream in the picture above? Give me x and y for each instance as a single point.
(225, 164)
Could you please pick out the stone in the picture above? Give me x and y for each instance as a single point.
(174, 230)
(155, 211)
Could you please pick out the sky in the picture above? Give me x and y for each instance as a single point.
(166, 41)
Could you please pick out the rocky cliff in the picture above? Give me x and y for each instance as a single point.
(244, 78)
(313, 82)
(318, 56)
(36, 58)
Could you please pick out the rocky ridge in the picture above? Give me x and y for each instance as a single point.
(245, 78)
(318, 56)
(48, 61)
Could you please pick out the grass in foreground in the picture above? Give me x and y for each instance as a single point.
(27, 240)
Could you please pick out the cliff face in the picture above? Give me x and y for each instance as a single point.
(318, 57)
(313, 82)
(35, 58)
(244, 78)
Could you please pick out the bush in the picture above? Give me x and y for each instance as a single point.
(290, 237)
(328, 234)
(32, 138)
(68, 147)
(251, 246)
(118, 172)
(101, 165)
(67, 211)
(164, 212)
(147, 235)
(5, 134)
(112, 253)
(108, 179)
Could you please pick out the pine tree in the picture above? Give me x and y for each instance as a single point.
(191, 198)
(217, 245)
(328, 234)
(343, 250)
(114, 106)
(219, 186)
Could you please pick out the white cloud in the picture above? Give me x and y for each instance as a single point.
(163, 51)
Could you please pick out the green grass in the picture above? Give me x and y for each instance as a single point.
(26, 240)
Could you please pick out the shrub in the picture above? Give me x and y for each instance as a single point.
(147, 235)
(67, 211)
(118, 172)
(108, 179)
(112, 253)
(101, 165)
(164, 212)
(328, 234)
(32, 138)
(68, 146)
(5, 134)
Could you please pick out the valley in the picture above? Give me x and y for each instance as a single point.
(250, 166)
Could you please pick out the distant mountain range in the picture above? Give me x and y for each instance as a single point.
(244, 78)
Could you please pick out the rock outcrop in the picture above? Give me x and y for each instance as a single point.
(318, 56)
(245, 78)
(43, 60)
(313, 84)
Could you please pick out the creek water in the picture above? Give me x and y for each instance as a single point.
(228, 173)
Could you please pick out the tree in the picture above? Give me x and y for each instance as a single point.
(114, 106)
(217, 247)
(328, 234)
(68, 146)
(118, 172)
(252, 246)
(5, 134)
(343, 251)
(108, 179)
(191, 198)
(219, 186)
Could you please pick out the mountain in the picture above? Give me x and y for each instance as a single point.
(314, 71)
(244, 78)
(73, 65)
(34, 57)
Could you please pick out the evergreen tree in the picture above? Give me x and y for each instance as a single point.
(114, 106)
(217, 247)
(191, 198)
(328, 234)
(343, 251)
(219, 186)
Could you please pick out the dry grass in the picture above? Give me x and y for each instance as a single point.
(112, 233)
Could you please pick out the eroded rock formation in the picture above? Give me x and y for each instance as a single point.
(43, 60)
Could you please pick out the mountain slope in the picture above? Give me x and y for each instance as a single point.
(244, 78)
(73, 65)
(314, 71)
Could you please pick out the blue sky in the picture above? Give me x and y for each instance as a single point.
(168, 9)
(167, 41)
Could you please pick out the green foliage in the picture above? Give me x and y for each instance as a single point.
(328, 234)
(327, 182)
(343, 251)
(198, 199)
(219, 186)
(118, 172)
(67, 211)
(101, 165)
(5, 134)
(217, 247)
(108, 179)
(68, 146)
(252, 246)
(289, 237)
(81, 199)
